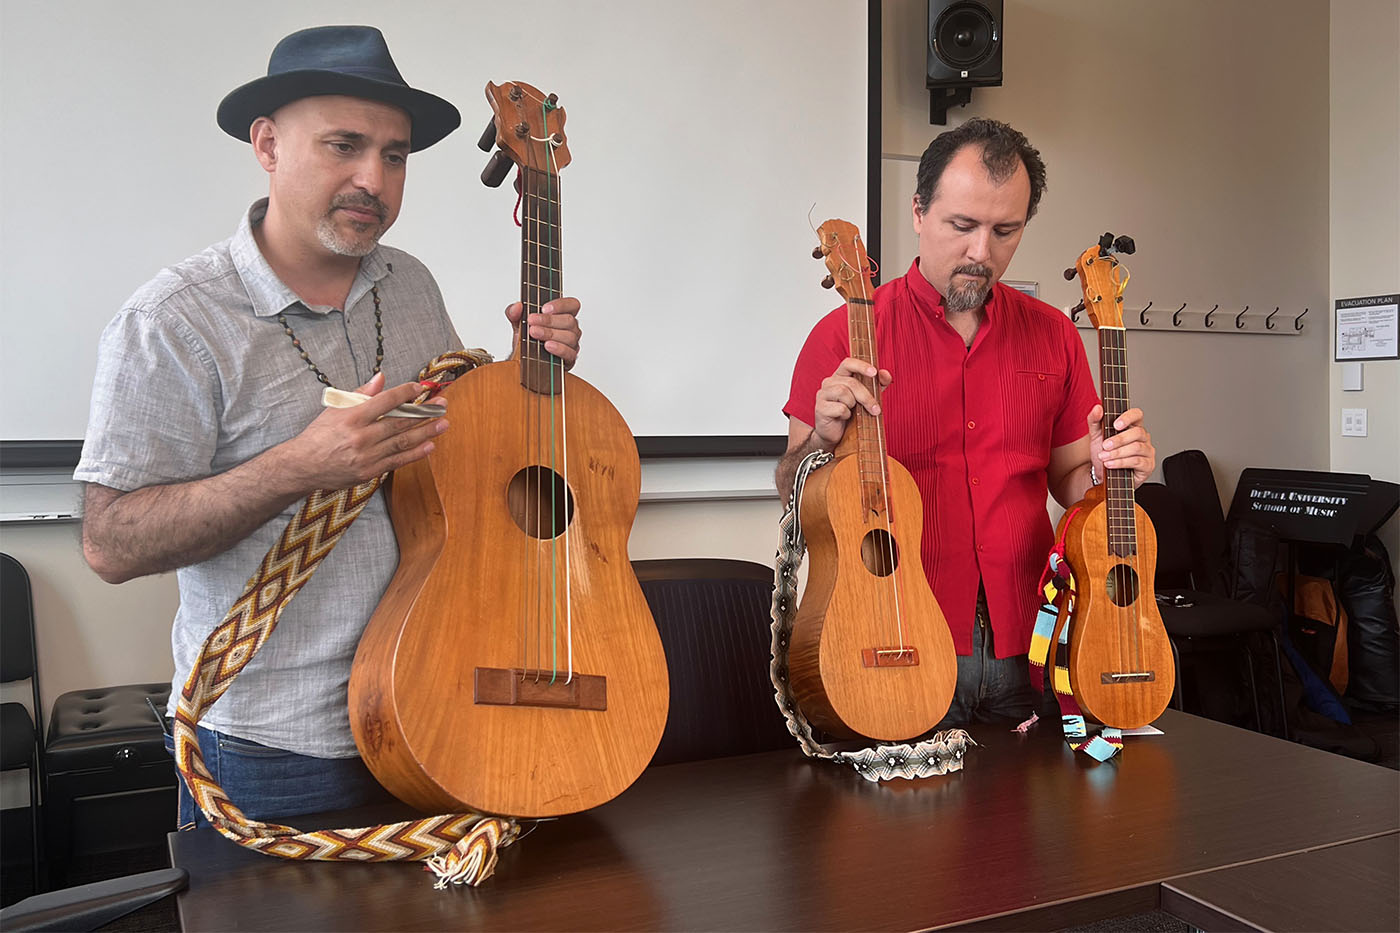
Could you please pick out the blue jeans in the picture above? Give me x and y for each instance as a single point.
(992, 689)
(272, 784)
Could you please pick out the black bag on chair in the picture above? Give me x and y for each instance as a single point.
(1367, 589)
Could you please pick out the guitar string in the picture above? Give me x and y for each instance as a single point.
(867, 322)
(556, 282)
(1121, 275)
(545, 211)
(1122, 510)
(889, 542)
(860, 348)
(529, 597)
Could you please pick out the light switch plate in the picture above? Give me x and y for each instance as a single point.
(1353, 422)
(1351, 377)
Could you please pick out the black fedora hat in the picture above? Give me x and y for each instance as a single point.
(349, 60)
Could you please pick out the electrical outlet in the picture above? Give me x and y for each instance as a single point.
(1353, 422)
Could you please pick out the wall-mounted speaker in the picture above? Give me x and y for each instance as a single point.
(964, 51)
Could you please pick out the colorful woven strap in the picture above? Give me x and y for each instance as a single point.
(459, 848)
(1057, 585)
(940, 754)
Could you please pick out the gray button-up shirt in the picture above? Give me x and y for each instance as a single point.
(194, 376)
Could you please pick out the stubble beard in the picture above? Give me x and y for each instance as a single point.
(361, 238)
(967, 295)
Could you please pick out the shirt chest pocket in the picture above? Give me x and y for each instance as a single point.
(1032, 406)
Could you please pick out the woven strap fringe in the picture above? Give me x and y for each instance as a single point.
(1057, 613)
(940, 754)
(459, 848)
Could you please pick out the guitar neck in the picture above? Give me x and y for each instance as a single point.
(1118, 483)
(541, 274)
(869, 429)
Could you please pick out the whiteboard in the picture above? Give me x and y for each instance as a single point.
(702, 134)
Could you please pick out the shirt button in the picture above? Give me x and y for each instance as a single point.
(979, 547)
(976, 481)
(1040, 376)
(971, 425)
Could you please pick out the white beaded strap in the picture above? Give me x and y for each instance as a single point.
(941, 753)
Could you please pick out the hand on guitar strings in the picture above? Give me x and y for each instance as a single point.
(839, 395)
(1131, 448)
(347, 446)
(556, 324)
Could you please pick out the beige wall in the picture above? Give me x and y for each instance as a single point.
(1208, 146)
(1365, 223)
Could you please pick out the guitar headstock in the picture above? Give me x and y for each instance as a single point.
(1101, 278)
(528, 126)
(847, 264)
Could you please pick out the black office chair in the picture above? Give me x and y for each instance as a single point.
(713, 616)
(21, 737)
(1197, 620)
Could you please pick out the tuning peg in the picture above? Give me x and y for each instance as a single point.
(1125, 245)
(1105, 244)
(817, 253)
(496, 169)
(553, 100)
(1069, 274)
(828, 282)
(487, 142)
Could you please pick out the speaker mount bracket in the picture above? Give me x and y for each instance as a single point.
(940, 99)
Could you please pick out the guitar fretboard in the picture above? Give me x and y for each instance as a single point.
(1118, 483)
(541, 273)
(870, 449)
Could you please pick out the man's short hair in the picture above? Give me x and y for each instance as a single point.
(1002, 148)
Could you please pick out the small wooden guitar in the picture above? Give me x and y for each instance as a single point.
(1120, 660)
(871, 653)
(513, 665)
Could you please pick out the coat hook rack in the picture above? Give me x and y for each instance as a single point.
(1187, 320)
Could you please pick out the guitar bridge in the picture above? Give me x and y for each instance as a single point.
(906, 656)
(1128, 677)
(496, 686)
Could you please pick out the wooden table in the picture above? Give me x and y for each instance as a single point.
(1352, 886)
(777, 842)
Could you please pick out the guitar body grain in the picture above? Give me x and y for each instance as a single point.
(1111, 633)
(837, 691)
(473, 591)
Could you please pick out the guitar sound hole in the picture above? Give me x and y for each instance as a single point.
(879, 552)
(1122, 585)
(540, 502)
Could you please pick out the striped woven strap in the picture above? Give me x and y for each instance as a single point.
(459, 848)
(939, 754)
(1057, 611)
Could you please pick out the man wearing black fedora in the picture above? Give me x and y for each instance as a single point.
(206, 429)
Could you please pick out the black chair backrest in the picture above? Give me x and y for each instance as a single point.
(713, 616)
(1174, 560)
(1188, 475)
(16, 622)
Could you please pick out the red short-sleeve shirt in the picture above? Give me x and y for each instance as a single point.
(975, 427)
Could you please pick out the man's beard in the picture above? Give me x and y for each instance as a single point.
(362, 237)
(968, 295)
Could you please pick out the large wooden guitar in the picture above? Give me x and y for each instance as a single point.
(513, 666)
(1120, 661)
(871, 653)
